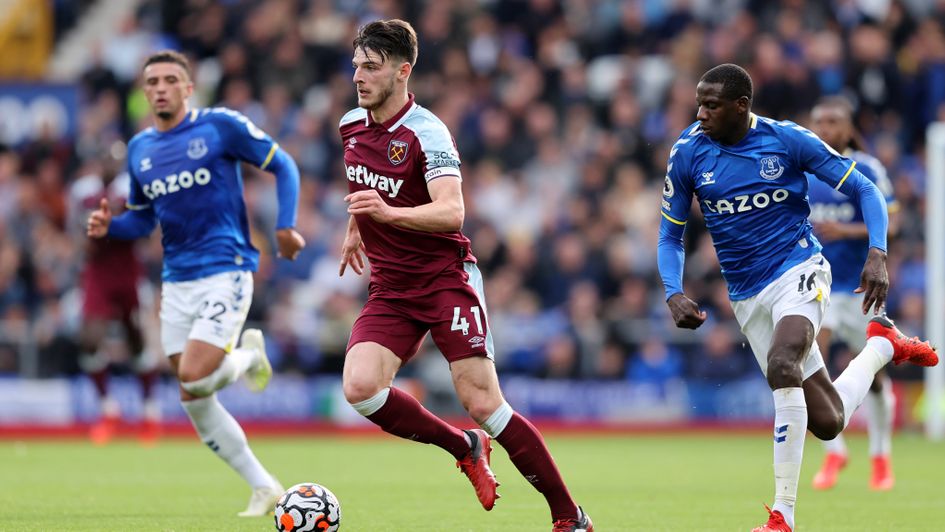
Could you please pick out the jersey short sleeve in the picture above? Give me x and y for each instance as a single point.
(813, 155)
(439, 154)
(242, 139)
(677, 188)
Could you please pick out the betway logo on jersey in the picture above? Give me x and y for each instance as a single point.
(364, 176)
(176, 182)
(745, 203)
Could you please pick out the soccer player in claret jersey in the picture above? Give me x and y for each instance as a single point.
(747, 172)
(838, 224)
(406, 207)
(185, 175)
(110, 277)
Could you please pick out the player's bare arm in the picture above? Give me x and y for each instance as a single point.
(290, 243)
(99, 220)
(686, 312)
(445, 213)
(352, 249)
(874, 281)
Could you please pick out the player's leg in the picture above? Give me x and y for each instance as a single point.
(199, 356)
(835, 458)
(367, 381)
(462, 333)
(878, 401)
(781, 323)
(97, 311)
(790, 345)
(144, 362)
(880, 406)
(478, 389)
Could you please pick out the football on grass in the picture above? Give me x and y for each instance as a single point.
(308, 506)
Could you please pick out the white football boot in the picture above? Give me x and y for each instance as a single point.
(260, 371)
(263, 500)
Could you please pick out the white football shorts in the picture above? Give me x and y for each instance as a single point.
(211, 309)
(804, 290)
(846, 319)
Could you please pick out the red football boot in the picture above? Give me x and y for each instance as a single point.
(103, 431)
(150, 432)
(882, 478)
(476, 467)
(827, 476)
(776, 523)
(581, 523)
(905, 349)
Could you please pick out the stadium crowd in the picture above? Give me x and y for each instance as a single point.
(563, 113)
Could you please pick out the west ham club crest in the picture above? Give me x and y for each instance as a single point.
(396, 151)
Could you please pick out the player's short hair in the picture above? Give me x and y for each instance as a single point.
(169, 56)
(734, 79)
(389, 38)
(841, 103)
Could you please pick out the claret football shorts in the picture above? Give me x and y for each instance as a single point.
(804, 290)
(454, 314)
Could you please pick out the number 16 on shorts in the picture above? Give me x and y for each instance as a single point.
(461, 324)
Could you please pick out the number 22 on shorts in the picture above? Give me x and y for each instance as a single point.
(461, 324)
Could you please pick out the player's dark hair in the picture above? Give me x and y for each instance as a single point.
(734, 79)
(845, 106)
(389, 38)
(169, 56)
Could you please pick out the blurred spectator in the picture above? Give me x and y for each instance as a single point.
(564, 114)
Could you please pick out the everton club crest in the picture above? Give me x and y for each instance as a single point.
(396, 151)
(771, 168)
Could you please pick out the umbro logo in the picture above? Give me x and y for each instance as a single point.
(145, 164)
(352, 143)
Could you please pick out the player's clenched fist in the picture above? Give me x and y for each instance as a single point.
(290, 242)
(369, 202)
(99, 220)
(686, 312)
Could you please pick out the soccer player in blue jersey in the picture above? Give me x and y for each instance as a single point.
(838, 224)
(747, 173)
(185, 175)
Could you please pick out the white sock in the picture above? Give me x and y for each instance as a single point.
(790, 428)
(224, 436)
(855, 381)
(879, 419)
(836, 446)
(498, 420)
(151, 409)
(234, 364)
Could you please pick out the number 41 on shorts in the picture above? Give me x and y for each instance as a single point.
(461, 324)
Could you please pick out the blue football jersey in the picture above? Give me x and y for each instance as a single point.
(189, 178)
(847, 256)
(753, 196)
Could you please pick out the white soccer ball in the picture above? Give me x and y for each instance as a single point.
(308, 507)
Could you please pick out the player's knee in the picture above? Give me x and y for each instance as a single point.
(825, 425)
(359, 389)
(783, 372)
(198, 387)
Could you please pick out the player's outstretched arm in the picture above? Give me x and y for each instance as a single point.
(351, 249)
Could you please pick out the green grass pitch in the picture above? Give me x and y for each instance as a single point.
(688, 481)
